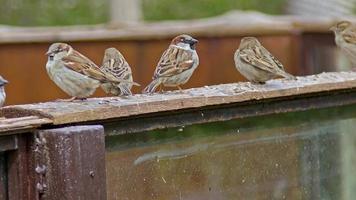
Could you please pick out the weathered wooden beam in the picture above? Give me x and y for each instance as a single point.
(71, 163)
(21, 124)
(223, 113)
(99, 109)
(20, 184)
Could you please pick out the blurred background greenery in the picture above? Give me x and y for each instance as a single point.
(188, 9)
(53, 12)
(70, 12)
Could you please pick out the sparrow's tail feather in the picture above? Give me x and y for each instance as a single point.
(125, 91)
(127, 81)
(116, 89)
(152, 86)
(136, 84)
(287, 75)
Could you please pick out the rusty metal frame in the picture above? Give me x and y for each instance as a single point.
(32, 167)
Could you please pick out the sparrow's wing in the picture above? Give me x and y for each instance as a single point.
(261, 58)
(174, 61)
(350, 36)
(117, 66)
(81, 64)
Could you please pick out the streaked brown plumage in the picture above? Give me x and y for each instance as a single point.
(3, 82)
(176, 65)
(256, 63)
(115, 63)
(345, 39)
(74, 73)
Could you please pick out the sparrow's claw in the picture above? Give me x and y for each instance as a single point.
(180, 89)
(161, 90)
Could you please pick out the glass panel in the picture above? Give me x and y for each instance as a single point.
(300, 155)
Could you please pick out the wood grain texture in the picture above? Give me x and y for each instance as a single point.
(95, 109)
(21, 124)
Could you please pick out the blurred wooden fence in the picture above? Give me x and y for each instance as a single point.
(303, 47)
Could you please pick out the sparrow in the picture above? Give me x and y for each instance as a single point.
(74, 73)
(256, 63)
(345, 39)
(3, 82)
(176, 65)
(115, 63)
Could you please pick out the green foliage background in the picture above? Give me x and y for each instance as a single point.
(187, 9)
(70, 12)
(53, 12)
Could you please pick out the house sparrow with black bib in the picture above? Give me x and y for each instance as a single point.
(345, 39)
(115, 63)
(74, 73)
(176, 65)
(3, 82)
(256, 63)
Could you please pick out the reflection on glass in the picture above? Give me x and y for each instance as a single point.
(301, 155)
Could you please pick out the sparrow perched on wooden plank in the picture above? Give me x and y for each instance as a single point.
(345, 39)
(176, 65)
(257, 64)
(74, 73)
(3, 82)
(115, 63)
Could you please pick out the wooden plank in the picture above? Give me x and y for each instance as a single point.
(19, 170)
(21, 124)
(224, 113)
(115, 107)
(73, 162)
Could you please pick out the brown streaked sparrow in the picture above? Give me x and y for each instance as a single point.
(256, 63)
(3, 82)
(115, 63)
(74, 73)
(345, 39)
(176, 65)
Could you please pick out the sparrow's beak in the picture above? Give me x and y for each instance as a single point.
(49, 53)
(3, 82)
(333, 28)
(194, 41)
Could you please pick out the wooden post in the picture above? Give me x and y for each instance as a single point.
(20, 180)
(3, 177)
(71, 161)
(124, 11)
